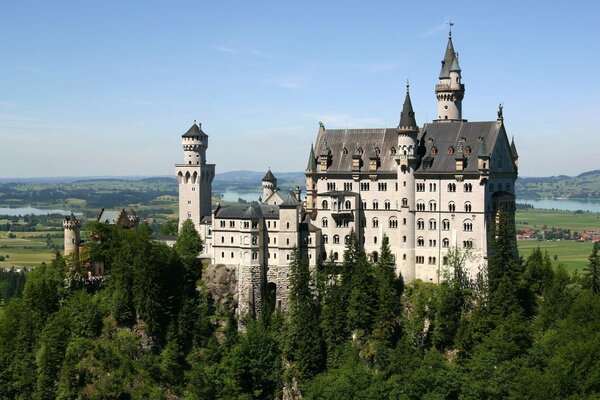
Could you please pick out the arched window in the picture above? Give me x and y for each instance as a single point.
(452, 187)
(375, 223)
(432, 224)
(420, 206)
(325, 205)
(432, 206)
(467, 207)
(467, 150)
(375, 205)
(348, 205)
(335, 256)
(324, 223)
(405, 202)
(468, 244)
(392, 151)
(467, 225)
(450, 150)
(451, 207)
(420, 242)
(434, 151)
(359, 151)
(393, 222)
(374, 256)
(468, 187)
(346, 239)
(344, 151)
(445, 242)
(336, 239)
(445, 225)
(387, 205)
(420, 224)
(325, 239)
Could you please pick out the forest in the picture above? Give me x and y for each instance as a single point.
(150, 328)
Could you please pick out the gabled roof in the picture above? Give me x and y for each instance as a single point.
(445, 135)
(352, 139)
(194, 131)
(269, 177)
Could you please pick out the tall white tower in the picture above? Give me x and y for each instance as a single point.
(450, 90)
(194, 177)
(72, 228)
(407, 159)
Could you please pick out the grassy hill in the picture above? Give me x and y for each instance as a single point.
(582, 186)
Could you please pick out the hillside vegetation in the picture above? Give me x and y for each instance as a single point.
(582, 186)
(149, 329)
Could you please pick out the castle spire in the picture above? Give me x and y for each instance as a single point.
(312, 160)
(407, 117)
(450, 90)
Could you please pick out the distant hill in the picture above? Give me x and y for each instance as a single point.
(583, 186)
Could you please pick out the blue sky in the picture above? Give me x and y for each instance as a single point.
(107, 87)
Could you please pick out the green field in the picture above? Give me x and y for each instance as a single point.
(571, 254)
(25, 252)
(536, 219)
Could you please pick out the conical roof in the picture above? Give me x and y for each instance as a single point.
(513, 149)
(447, 61)
(312, 160)
(194, 131)
(455, 67)
(269, 177)
(407, 117)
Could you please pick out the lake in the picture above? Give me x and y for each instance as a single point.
(563, 204)
(30, 211)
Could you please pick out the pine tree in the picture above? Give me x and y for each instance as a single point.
(389, 292)
(305, 346)
(592, 271)
(362, 300)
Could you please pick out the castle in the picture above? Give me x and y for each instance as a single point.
(426, 188)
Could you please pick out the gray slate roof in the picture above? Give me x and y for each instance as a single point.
(443, 134)
(194, 131)
(447, 61)
(352, 139)
(269, 177)
(449, 134)
(312, 160)
(109, 216)
(251, 211)
(407, 117)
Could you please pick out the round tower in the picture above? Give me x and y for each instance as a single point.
(407, 160)
(269, 184)
(450, 90)
(194, 177)
(72, 228)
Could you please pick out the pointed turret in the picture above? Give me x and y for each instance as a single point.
(312, 160)
(269, 185)
(449, 56)
(513, 152)
(450, 90)
(407, 117)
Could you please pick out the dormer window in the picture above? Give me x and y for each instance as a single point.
(467, 150)
(392, 151)
(430, 140)
(377, 151)
(450, 150)
(434, 151)
(344, 151)
(359, 151)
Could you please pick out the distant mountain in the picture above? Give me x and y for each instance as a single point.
(256, 177)
(583, 186)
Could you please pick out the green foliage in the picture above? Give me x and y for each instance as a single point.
(592, 272)
(305, 347)
(354, 331)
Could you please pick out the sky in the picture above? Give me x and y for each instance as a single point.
(101, 88)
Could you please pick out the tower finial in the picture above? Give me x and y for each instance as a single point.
(407, 86)
(450, 24)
